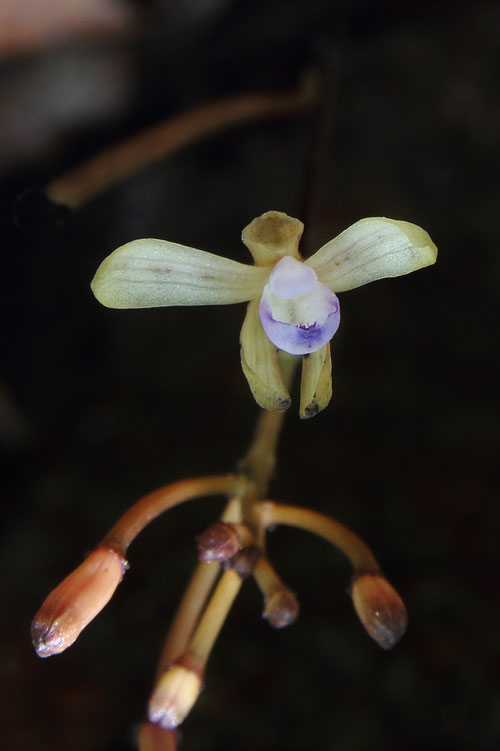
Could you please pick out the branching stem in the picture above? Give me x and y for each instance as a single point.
(268, 514)
(152, 505)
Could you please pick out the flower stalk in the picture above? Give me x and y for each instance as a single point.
(152, 505)
(281, 607)
(292, 313)
(269, 514)
(178, 687)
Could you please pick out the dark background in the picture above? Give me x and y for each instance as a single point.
(99, 407)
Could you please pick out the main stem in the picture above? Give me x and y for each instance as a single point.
(258, 463)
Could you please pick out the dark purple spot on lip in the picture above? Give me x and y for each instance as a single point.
(298, 338)
(309, 335)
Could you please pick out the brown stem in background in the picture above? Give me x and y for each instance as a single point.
(322, 119)
(104, 170)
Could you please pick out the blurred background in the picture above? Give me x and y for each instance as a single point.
(98, 407)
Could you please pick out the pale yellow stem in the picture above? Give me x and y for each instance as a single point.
(194, 600)
(188, 613)
(266, 577)
(150, 506)
(213, 618)
(259, 462)
(281, 606)
(268, 514)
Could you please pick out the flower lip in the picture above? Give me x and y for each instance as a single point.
(299, 314)
(299, 339)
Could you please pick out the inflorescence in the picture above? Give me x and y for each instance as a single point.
(293, 313)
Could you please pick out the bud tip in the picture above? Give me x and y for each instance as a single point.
(174, 696)
(380, 608)
(281, 608)
(76, 601)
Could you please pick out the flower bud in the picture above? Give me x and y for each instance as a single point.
(76, 601)
(245, 561)
(218, 543)
(281, 607)
(380, 608)
(174, 696)
(298, 313)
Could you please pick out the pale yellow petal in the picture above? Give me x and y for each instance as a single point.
(151, 273)
(372, 249)
(316, 383)
(261, 363)
(272, 236)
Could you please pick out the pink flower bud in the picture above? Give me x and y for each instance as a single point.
(380, 608)
(76, 601)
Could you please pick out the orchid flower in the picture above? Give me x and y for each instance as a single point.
(293, 306)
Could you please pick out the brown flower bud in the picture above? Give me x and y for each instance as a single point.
(245, 560)
(218, 543)
(76, 601)
(281, 607)
(174, 696)
(380, 608)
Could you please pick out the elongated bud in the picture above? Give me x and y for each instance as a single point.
(380, 608)
(174, 696)
(76, 601)
(281, 607)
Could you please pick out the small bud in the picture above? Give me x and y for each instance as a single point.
(245, 561)
(218, 543)
(281, 608)
(174, 696)
(380, 608)
(76, 601)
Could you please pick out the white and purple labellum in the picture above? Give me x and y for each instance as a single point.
(298, 313)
